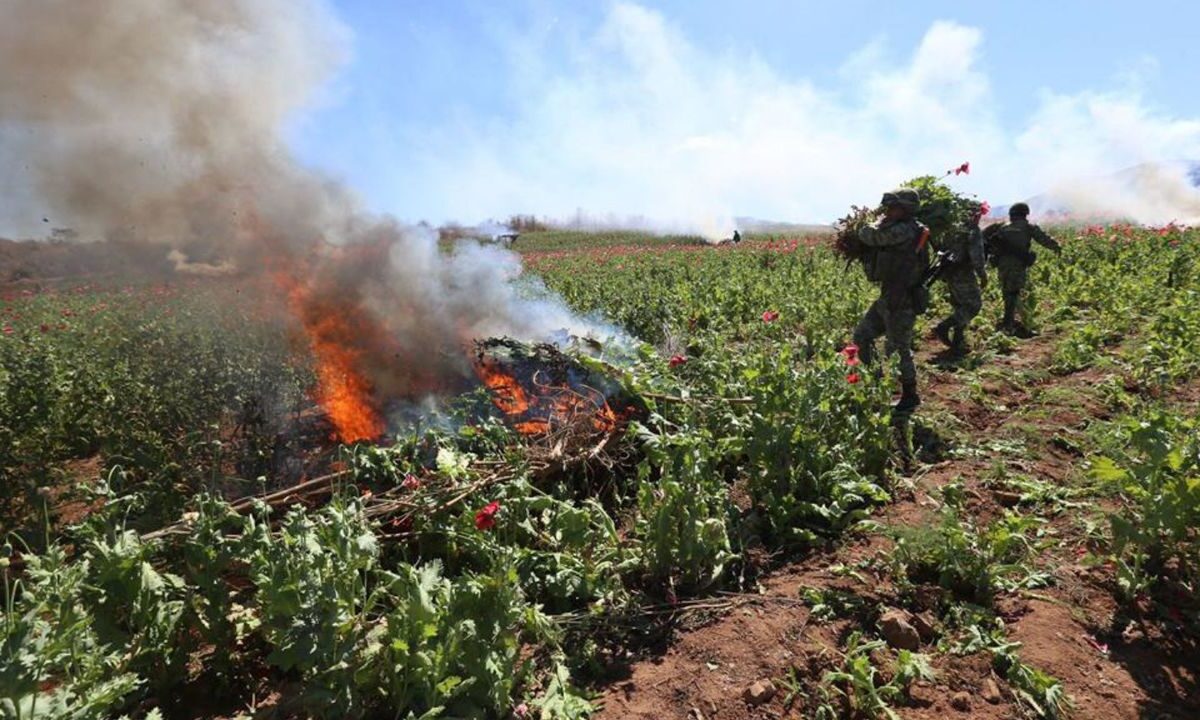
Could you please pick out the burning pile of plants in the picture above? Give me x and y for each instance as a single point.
(559, 412)
(543, 392)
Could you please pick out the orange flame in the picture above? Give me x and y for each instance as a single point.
(537, 410)
(507, 393)
(334, 331)
(345, 394)
(334, 325)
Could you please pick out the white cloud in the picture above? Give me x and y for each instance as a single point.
(642, 122)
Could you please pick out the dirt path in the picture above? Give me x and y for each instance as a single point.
(1012, 413)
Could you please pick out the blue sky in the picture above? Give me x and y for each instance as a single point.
(473, 109)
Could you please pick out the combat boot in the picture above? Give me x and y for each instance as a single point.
(909, 400)
(942, 331)
(1008, 323)
(958, 340)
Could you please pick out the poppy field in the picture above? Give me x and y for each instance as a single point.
(763, 542)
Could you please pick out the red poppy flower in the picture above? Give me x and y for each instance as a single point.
(985, 208)
(964, 169)
(411, 482)
(770, 316)
(853, 378)
(8, 330)
(852, 361)
(850, 352)
(677, 360)
(485, 519)
(44, 327)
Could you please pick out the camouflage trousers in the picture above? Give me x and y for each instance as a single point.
(966, 298)
(1014, 275)
(896, 325)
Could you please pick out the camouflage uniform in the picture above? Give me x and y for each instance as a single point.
(964, 279)
(1010, 245)
(898, 264)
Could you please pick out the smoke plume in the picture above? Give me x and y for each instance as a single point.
(161, 121)
(642, 117)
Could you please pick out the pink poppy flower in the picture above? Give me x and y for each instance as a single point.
(853, 378)
(677, 360)
(770, 316)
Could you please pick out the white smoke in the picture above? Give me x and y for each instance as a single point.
(642, 122)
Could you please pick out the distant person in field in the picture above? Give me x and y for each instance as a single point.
(965, 276)
(897, 259)
(1010, 245)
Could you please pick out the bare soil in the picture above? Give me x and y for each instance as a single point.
(1114, 662)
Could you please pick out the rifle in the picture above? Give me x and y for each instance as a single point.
(941, 262)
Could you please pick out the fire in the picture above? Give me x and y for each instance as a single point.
(507, 393)
(346, 396)
(566, 404)
(538, 409)
(334, 331)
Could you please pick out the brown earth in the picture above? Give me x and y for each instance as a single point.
(1113, 667)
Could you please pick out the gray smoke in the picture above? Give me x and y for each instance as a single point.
(1149, 193)
(161, 121)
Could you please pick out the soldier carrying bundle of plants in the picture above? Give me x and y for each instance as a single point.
(894, 253)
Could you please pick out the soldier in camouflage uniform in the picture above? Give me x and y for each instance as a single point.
(965, 276)
(897, 259)
(1010, 245)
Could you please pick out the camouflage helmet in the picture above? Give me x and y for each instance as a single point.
(906, 198)
(1020, 209)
